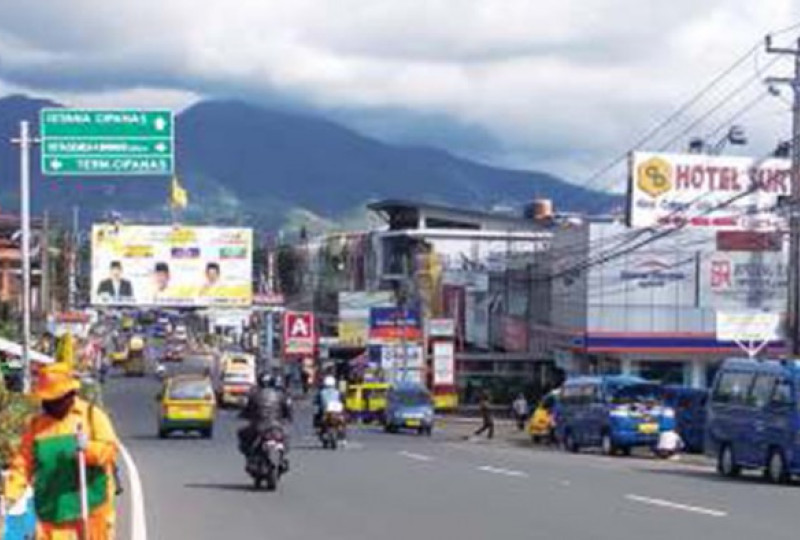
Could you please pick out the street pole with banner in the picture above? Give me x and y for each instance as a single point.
(25, 142)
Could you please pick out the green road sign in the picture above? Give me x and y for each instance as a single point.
(107, 142)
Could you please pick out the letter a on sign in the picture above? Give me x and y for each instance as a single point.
(299, 328)
(298, 334)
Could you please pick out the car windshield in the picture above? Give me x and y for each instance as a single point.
(413, 398)
(635, 393)
(189, 390)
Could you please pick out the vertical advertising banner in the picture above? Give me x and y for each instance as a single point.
(444, 372)
(299, 334)
(143, 265)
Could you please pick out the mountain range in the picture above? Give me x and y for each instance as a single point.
(244, 164)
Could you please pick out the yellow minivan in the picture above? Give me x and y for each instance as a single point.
(366, 401)
(187, 404)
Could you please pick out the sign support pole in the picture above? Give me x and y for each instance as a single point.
(24, 141)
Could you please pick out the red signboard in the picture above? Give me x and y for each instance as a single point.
(299, 335)
(749, 241)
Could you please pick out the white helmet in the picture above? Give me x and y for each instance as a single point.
(329, 382)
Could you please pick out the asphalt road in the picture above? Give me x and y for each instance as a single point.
(404, 486)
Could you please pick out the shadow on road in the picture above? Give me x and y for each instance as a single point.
(222, 487)
(712, 476)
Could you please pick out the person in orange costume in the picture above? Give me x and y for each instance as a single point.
(48, 460)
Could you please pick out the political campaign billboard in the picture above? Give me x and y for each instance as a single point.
(163, 265)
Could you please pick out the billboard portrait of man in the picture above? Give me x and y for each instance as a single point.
(160, 280)
(115, 288)
(212, 277)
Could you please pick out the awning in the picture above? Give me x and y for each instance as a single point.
(15, 349)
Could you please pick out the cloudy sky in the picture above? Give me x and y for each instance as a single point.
(556, 85)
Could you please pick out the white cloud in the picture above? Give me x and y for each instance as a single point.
(562, 85)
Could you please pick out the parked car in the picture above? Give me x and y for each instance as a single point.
(615, 413)
(187, 404)
(754, 418)
(409, 406)
(689, 405)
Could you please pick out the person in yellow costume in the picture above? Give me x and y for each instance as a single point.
(48, 460)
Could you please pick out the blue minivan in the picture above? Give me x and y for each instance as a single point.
(754, 418)
(615, 413)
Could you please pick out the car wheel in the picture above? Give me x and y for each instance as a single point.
(208, 433)
(607, 445)
(776, 471)
(570, 444)
(163, 433)
(726, 462)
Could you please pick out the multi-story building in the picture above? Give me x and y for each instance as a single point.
(619, 302)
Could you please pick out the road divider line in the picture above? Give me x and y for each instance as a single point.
(418, 457)
(676, 506)
(138, 520)
(503, 472)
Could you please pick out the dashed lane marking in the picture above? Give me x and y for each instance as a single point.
(676, 506)
(415, 456)
(503, 472)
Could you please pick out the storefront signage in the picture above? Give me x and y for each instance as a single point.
(714, 192)
(652, 273)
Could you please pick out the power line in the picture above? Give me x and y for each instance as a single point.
(677, 113)
(721, 103)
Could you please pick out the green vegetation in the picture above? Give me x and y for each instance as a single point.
(15, 411)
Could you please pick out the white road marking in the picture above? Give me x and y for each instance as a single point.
(418, 457)
(138, 521)
(504, 472)
(676, 506)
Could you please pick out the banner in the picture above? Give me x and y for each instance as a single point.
(444, 369)
(744, 281)
(715, 192)
(143, 265)
(749, 326)
(394, 324)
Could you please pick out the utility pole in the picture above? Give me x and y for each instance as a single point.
(793, 308)
(44, 261)
(73, 265)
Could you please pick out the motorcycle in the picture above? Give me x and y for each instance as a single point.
(266, 461)
(332, 427)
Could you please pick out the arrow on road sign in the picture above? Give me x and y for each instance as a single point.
(56, 164)
(160, 123)
(161, 147)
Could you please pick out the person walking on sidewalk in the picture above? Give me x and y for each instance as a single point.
(521, 411)
(486, 415)
(48, 460)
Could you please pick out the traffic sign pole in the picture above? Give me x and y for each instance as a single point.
(24, 141)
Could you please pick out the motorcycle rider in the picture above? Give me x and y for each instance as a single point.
(268, 407)
(327, 395)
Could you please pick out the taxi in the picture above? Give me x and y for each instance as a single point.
(367, 401)
(541, 426)
(187, 404)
